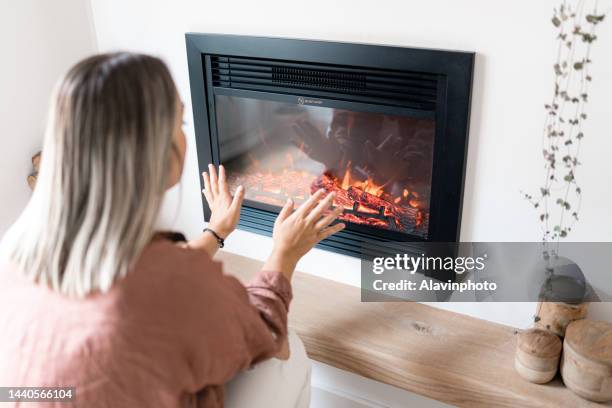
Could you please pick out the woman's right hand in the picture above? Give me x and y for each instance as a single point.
(296, 232)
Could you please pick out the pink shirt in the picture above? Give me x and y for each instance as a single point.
(169, 334)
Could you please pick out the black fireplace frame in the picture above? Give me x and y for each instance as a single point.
(453, 71)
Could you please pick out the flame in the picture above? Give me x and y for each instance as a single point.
(368, 186)
(414, 203)
(398, 199)
(346, 180)
(405, 193)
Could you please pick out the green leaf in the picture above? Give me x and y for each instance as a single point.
(556, 22)
(588, 38)
(594, 19)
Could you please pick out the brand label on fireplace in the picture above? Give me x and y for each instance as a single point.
(307, 101)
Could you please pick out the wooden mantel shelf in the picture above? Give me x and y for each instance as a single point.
(439, 354)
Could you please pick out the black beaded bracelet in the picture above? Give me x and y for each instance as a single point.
(220, 240)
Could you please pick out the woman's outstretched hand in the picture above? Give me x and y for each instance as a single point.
(296, 232)
(225, 208)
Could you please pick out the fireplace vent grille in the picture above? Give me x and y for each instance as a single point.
(319, 78)
(398, 88)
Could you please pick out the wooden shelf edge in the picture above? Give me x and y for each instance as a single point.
(443, 355)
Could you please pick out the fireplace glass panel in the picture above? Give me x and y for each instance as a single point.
(379, 165)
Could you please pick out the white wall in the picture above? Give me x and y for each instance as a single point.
(39, 40)
(513, 79)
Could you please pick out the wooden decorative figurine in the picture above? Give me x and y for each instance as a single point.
(537, 355)
(586, 366)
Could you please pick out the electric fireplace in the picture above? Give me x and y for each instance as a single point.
(385, 128)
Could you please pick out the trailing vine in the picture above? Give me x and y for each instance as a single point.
(558, 201)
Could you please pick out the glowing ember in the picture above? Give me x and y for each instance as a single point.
(364, 202)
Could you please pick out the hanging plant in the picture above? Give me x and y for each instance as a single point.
(560, 195)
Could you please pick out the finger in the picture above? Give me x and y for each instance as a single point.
(321, 207)
(309, 204)
(209, 199)
(285, 211)
(207, 189)
(223, 186)
(329, 218)
(214, 182)
(238, 198)
(329, 231)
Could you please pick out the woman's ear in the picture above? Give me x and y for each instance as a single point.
(34, 175)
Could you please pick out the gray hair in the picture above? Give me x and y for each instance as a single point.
(103, 174)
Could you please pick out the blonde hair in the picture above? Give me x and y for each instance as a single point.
(103, 174)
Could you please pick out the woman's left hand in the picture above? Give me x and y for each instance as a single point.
(225, 208)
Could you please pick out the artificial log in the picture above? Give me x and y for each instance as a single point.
(537, 355)
(555, 316)
(371, 209)
(586, 365)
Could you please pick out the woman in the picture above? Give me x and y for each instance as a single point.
(92, 297)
